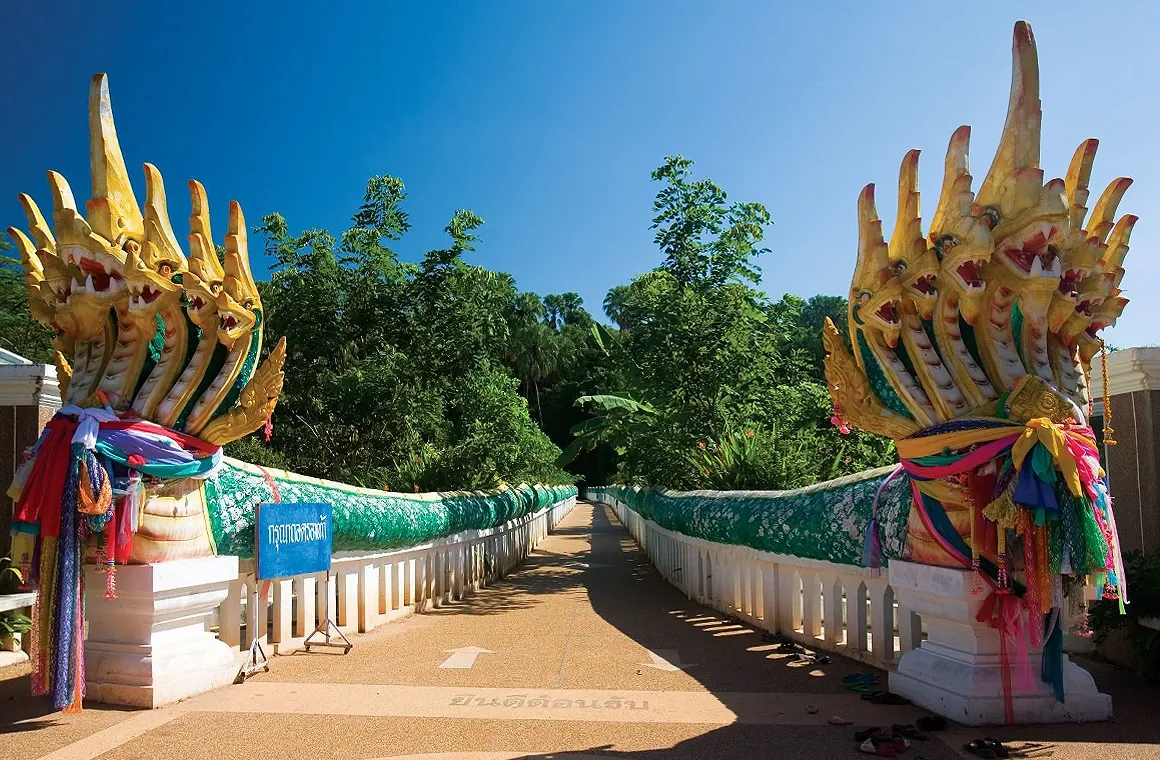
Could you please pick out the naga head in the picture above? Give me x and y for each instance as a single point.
(915, 265)
(154, 268)
(203, 282)
(239, 307)
(113, 266)
(961, 241)
(1085, 248)
(1028, 219)
(1019, 252)
(52, 275)
(875, 291)
(1110, 243)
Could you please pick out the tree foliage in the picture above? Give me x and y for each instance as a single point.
(19, 332)
(433, 373)
(733, 383)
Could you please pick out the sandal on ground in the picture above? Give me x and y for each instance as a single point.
(997, 747)
(838, 720)
(931, 723)
(870, 747)
(909, 731)
(814, 659)
(865, 688)
(860, 678)
(863, 734)
(883, 743)
(979, 748)
(886, 698)
(1030, 749)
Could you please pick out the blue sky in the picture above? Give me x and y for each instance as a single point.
(546, 118)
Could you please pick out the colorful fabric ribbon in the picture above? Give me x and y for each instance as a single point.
(1041, 480)
(872, 548)
(84, 478)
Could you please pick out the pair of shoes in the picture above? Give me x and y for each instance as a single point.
(814, 659)
(875, 741)
(908, 731)
(993, 748)
(986, 748)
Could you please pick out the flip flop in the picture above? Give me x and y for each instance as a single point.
(979, 748)
(996, 746)
(860, 678)
(931, 723)
(870, 747)
(887, 698)
(864, 688)
(863, 734)
(909, 731)
(838, 720)
(814, 659)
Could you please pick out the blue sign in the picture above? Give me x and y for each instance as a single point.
(292, 539)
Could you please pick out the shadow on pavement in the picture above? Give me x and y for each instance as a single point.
(627, 592)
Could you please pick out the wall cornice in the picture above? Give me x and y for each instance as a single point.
(29, 385)
(1129, 370)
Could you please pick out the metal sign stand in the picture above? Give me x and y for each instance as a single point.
(253, 664)
(325, 627)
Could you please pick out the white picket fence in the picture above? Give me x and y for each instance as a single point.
(822, 605)
(368, 589)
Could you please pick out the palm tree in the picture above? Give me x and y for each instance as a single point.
(614, 305)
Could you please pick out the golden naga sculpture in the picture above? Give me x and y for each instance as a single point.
(985, 326)
(141, 327)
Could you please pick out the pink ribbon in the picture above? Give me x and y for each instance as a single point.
(970, 461)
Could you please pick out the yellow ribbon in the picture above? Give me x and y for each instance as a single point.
(1038, 430)
(1053, 438)
(929, 445)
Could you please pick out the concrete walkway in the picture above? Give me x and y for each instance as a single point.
(584, 652)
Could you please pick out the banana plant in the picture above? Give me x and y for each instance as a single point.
(614, 419)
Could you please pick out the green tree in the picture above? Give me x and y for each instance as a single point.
(733, 383)
(396, 378)
(19, 332)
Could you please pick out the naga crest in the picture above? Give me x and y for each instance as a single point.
(140, 325)
(1013, 280)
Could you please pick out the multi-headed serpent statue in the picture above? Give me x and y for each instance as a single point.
(970, 346)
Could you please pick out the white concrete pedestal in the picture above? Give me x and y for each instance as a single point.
(151, 645)
(956, 672)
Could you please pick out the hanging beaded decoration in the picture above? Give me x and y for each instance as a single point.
(1109, 431)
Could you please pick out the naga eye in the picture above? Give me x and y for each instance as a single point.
(899, 267)
(864, 296)
(943, 245)
(991, 216)
(165, 270)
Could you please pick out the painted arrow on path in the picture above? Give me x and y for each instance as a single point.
(667, 660)
(464, 657)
